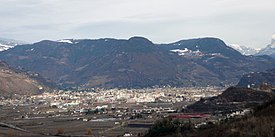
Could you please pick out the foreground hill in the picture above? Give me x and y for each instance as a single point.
(135, 63)
(12, 82)
(232, 99)
(260, 123)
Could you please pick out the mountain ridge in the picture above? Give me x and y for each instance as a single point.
(135, 62)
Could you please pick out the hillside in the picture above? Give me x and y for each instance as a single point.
(257, 123)
(255, 79)
(261, 123)
(232, 99)
(13, 82)
(135, 63)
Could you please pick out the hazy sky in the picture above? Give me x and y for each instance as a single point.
(245, 22)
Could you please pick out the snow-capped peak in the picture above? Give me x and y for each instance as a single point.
(269, 49)
(236, 46)
(65, 41)
(273, 36)
(273, 41)
(244, 50)
(6, 44)
(5, 47)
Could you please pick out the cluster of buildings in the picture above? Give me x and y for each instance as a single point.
(74, 98)
(118, 106)
(119, 102)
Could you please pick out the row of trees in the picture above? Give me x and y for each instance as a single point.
(167, 126)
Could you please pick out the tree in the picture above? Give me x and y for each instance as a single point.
(88, 131)
(60, 131)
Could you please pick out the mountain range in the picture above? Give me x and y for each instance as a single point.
(268, 50)
(244, 50)
(134, 63)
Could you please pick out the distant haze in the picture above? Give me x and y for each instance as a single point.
(246, 22)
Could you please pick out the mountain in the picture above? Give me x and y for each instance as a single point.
(256, 79)
(6, 44)
(233, 98)
(14, 82)
(214, 55)
(244, 50)
(135, 63)
(269, 49)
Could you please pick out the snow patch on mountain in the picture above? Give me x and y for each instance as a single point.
(65, 41)
(180, 51)
(186, 52)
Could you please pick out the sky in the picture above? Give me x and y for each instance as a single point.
(245, 22)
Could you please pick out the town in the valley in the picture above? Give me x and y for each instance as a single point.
(104, 112)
